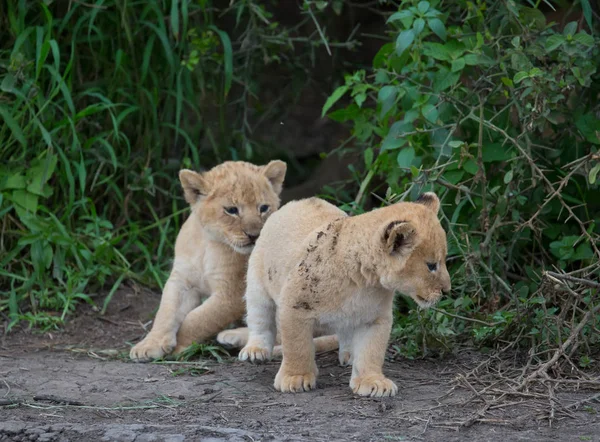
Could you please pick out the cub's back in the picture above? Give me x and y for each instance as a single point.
(282, 240)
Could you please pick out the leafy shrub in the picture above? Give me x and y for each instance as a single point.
(497, 111)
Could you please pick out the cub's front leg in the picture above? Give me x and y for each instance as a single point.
(369, 347)
(298, 371)
(176, 302)
(205, 321)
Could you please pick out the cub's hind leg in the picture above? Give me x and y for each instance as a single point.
(262, 326)
(234, 337)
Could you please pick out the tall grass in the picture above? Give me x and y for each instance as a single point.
(102, 102)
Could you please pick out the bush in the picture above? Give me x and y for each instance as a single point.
(497, 111)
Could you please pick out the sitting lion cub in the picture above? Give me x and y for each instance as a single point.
(230, 203)
(317, 266)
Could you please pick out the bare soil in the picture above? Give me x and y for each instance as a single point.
(77, 384)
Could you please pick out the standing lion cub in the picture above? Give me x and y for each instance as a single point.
(230, 203)
(313, 265)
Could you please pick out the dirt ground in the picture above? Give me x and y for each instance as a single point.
(76, 384)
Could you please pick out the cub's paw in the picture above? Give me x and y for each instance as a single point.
(345, 358)
(152, 348)
(295, 383)
(255, 354)
(233, 338)
(374, 386)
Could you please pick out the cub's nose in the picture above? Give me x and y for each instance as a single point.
(252, 238)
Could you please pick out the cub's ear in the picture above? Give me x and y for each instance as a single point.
(430, 200)
(275, 173)
(194, 185)
(400, 238)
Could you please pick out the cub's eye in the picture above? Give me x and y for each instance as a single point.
(264, 208)
(432, 266)
(232, 210)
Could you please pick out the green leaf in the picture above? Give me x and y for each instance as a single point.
(39, 174)
(480, 40)
(577, 73)
(333, 98)
(444, 80)
(535, 72)
(454, 176)
(430, 112)
(15, 181)
(478, 59)
(386, 92)
(47, 256)
(368, 157)
(586, 8)
(8, 83)
(381, 57)
(406, 157)
(410, 116)
(423, 7)
(13, 126)
(437, 27)
(570, 28)
(404, 40)
(387, 97)
(26, 200)
(532, 17)
(495, 152)
(508, 176)
(507, 82)
(227, 57)
(520, 62)
(437, 51)
(392, 143)
(470, 166)
(418, 26)
(395, 137)
(175, 18)
(584, 38)
(520, 76)
(400, 15)
(583, 251)
(360, 98)
(589, 126)
(458, 65)
(594, 173)
(554, 42)
(347, 113)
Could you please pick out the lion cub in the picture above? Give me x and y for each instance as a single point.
(230, 203)
(313, 265)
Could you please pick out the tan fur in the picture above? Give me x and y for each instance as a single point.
(314, 266)
(211, 254)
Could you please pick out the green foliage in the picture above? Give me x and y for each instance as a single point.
(203, 350)
(101, 103)
(497, 112)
